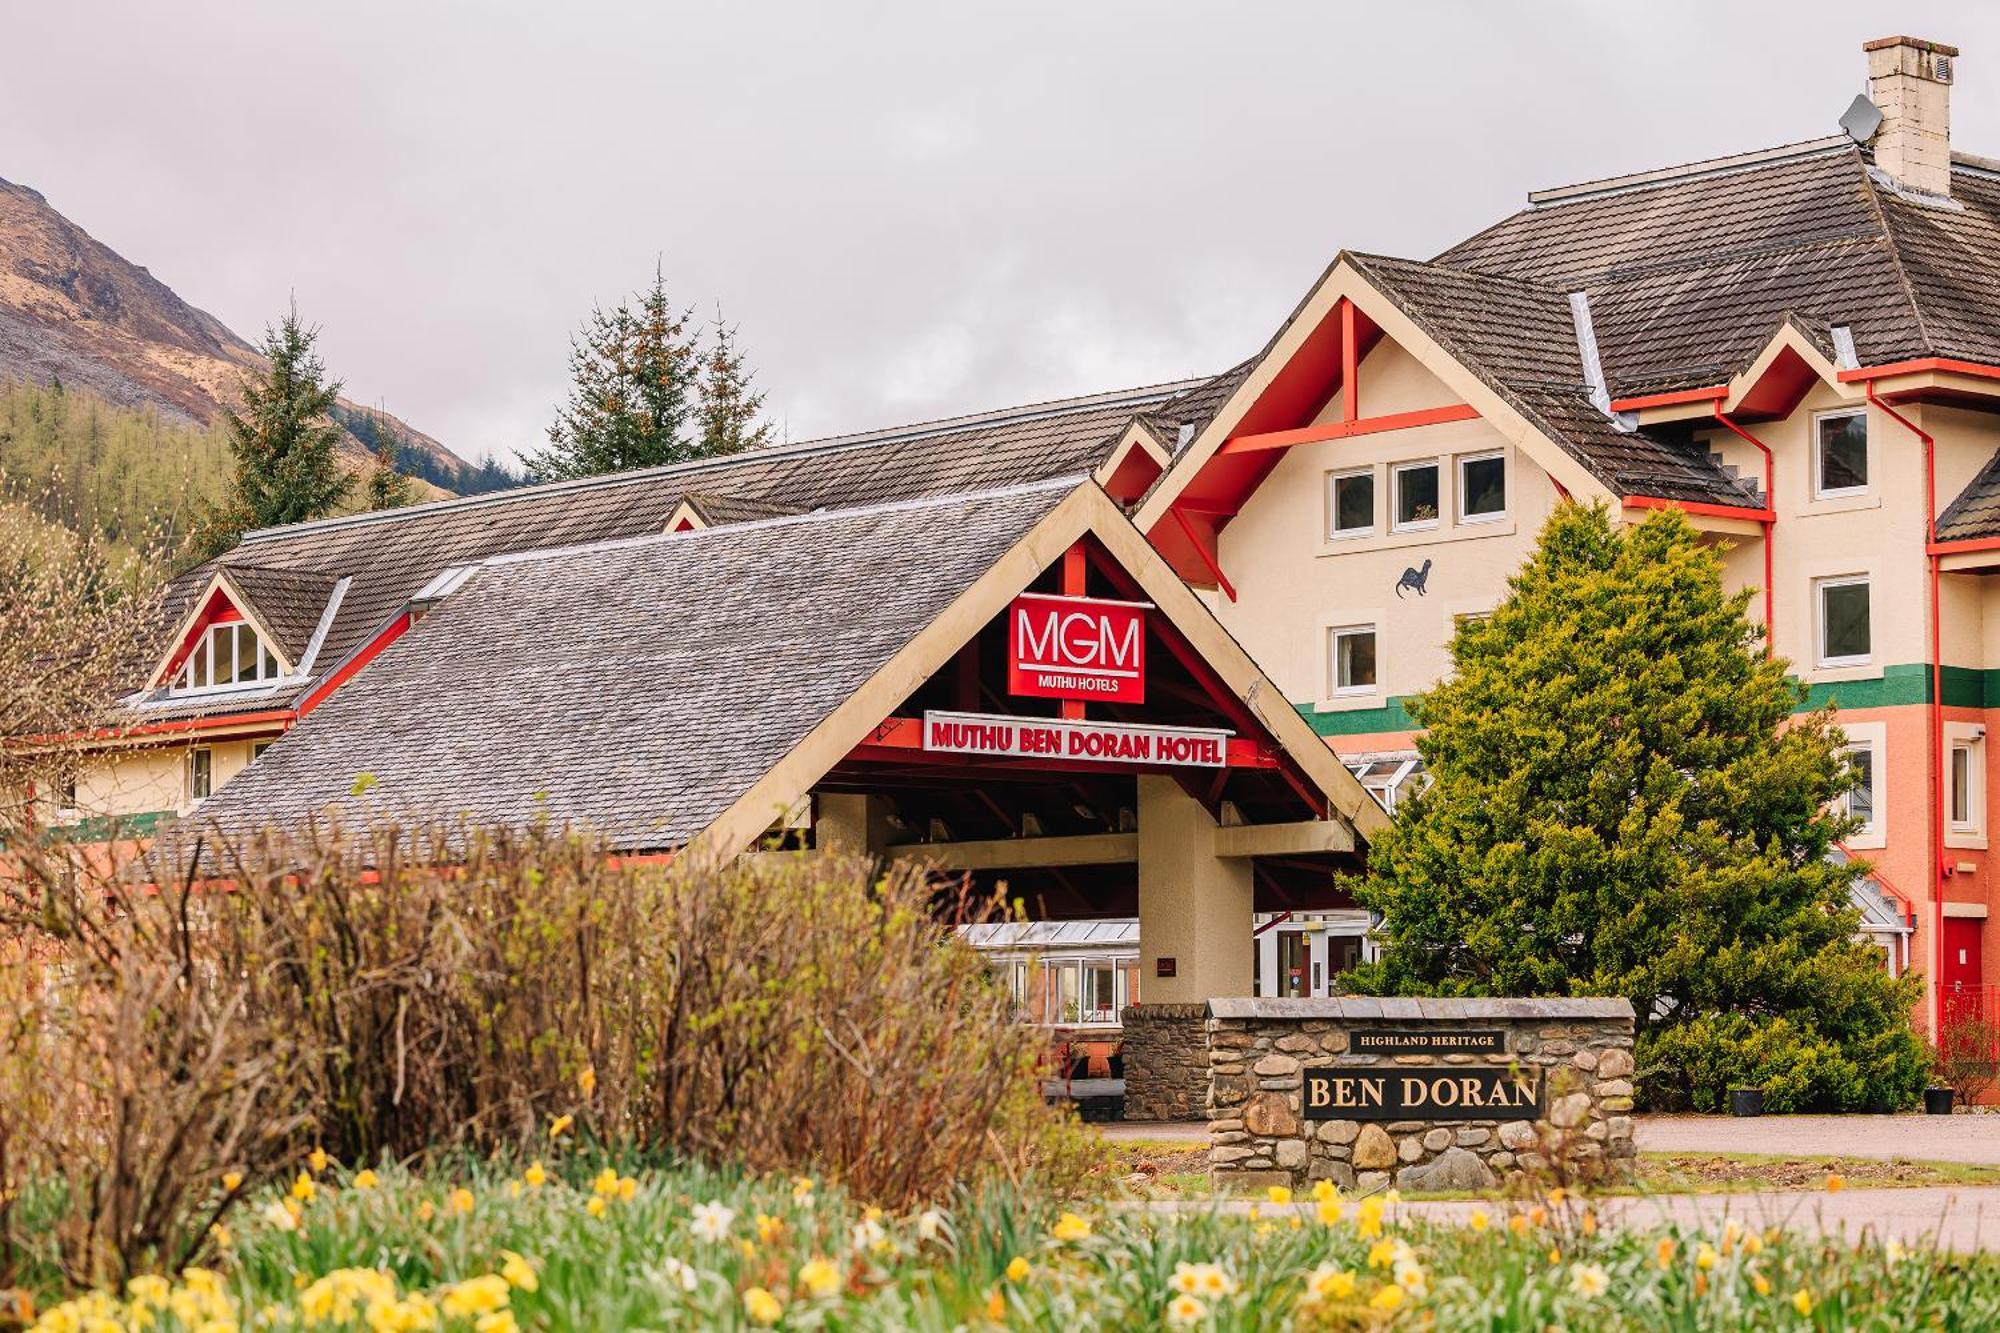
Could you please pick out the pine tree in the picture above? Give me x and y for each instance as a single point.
(1624, 802)
(284, 441)
(389, 486)
(634, 389)
(729, 409)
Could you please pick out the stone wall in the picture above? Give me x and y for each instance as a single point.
(1166, 1061)
(1260, 1050)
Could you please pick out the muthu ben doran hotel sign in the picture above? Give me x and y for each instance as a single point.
(1449, 1092)
(1076, 648)
(1064, 738)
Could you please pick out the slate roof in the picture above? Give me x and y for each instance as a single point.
(390, 555)
(634, 687)
(290, 602)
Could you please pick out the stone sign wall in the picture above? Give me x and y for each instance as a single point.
(1419, 1094)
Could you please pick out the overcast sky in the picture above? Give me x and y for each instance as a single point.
(909, 210)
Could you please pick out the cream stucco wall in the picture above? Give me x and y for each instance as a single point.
(1295, 583)
(154, 779)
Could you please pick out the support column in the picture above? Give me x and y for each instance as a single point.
(850, 823)
(1194, 906)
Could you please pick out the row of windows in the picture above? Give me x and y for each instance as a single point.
(1965, 795)
(1415, 499)
(1074, 991)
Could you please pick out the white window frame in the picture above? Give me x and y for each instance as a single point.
(1969, 739)
(1396, 472)
(1821, 492)
(1820, 589)
(269, 666)
(1870, 824)
(1872, 737)
(1334, 532)
(1334, 633)
(208, 753)
(1506, 486)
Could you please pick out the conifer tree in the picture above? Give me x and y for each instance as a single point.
(635, 385)
(729, 408)
(1625, 801)
(389, 486)
(284, 441)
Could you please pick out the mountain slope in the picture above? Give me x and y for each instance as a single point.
(73, 309)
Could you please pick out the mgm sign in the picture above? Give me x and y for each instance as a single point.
(1422, 1094)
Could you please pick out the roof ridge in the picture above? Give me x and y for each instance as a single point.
(1895, 249)
(1054, 407)
(1480, 275)
(1683, 171)
(1068, 482)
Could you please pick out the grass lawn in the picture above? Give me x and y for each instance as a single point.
(1178, 1169)
(574, 1245)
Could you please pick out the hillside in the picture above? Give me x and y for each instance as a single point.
(75, 311)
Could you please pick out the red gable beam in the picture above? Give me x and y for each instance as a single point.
(1347, 428)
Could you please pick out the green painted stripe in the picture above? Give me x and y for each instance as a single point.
(110, 828)
(1898, 686)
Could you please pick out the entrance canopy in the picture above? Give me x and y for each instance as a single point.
(848, 677)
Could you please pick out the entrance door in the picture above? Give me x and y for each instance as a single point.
(1294, 964)
(1962, 973)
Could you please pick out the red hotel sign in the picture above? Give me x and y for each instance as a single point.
(1062, 738)
(1076, 648)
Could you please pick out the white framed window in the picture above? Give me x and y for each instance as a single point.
(1350, 503)
(1416, 495)
(1100, 991)
(1351, 659)
(1966, 796)
(1840, 454)
(1482, 488)
(1843, 631)
(200, 773)
(226, 655)
(1860, 801)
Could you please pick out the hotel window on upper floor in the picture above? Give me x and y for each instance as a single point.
(1840, 454)
(1416, 495)
(1482, 488)
(1841, 610)
(1351, 660)
(226, 655)
(1859, 802)
(200, 773)
(1965, 791)
(1350, 503)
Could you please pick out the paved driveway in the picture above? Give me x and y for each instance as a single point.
(1959, 1138)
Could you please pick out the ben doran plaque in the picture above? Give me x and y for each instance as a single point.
(1442, 1093)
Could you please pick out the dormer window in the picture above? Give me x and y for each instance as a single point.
(228, 654)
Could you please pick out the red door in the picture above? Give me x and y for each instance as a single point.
(1962, 973)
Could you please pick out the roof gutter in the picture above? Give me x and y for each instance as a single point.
(1769, 520)
(1936, 738)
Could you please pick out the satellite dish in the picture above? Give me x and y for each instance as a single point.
(1861, 119)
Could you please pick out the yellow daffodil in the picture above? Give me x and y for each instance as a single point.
(1479, 1220)
(802, 1189)
(535, 1175)
(1329, 1283)
(1070, 1227)
(1663, 1253)
(996, 1305)
(586, 1080)
(1705, 1256)
(317, 1160)
(500, 1321)
(1753, 1244)
(364, 1179)
(560, 1126)
(1556, 1197)
(769, 1228)
(1325, 1191)
(425, 1211)
(1518, 1224)
(1555, 1256)
(520, 1274)
(605, 1182)
(819, 1279)
(1368, 1218)
(1018, 1268)
(1381, 1254)
(1328, 1211)
(303, 1189)
(1184, 1310)
(1761, 1284)
(1802, 1301)
(1588, 1226)
(595, 1205)
(1278, 1194)
(232, 1181)
(762, 1306)
(1835, 1183)
(475, 1296)
(219, 1233)
(1389, 1298)
(1538, 1215)
(461, 1200)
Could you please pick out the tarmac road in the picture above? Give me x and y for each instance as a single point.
(1973, 1139)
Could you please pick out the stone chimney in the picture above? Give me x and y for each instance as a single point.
(1909, 81)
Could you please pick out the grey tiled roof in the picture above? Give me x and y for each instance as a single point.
(1520, 338)
(637, 687)
(1976, 510)
(290, 601)
(390, 555)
